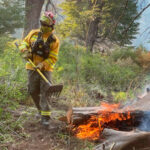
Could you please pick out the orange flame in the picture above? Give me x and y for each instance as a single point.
(96, 124)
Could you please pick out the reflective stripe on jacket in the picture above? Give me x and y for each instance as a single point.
(49, 63)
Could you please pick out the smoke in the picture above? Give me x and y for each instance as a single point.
(145, 122)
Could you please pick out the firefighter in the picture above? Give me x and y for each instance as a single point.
(42, 47)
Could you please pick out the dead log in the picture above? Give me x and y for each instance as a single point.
(82, 115)
(120, 140)
(76, 115)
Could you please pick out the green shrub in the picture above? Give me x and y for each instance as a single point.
(3, 42)
(123, 53)
(12, 87)
(109, 74)
(114, 72)
(69, 65)
(12, 75)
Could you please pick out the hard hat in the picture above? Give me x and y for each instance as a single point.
(47, 18)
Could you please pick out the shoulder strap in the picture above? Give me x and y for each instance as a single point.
(51, 39)
(39, 35)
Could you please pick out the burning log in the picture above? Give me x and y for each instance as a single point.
(82, 115)
(89, 122)
(94, 124)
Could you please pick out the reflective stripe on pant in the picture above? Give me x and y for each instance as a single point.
(45, 113)
(37, 88)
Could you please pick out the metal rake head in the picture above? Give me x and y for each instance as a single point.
(54, 90)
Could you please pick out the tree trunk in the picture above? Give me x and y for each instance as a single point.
(92, 34)
(32, 14)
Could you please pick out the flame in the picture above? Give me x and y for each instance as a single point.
(96, 124)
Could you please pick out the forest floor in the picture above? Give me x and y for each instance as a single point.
(32, 136)
(36, 137)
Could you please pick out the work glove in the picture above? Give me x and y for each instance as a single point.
(39, 66)
(26, 55)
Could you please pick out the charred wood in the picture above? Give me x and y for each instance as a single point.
(82, 115)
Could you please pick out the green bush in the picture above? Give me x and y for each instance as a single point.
(69, 64)
(123, 53)
(114, 72)
(12, 75)
(3, 43)
(12, 88)
(109, 74)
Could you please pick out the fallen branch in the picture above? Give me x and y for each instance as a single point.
(112, 146)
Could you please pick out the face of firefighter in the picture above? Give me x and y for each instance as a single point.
(46, 29)
(46, 24)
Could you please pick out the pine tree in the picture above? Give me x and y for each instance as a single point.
(11, 14)
(122, 14)
(89, 19)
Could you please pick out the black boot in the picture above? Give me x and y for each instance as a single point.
(45, 121)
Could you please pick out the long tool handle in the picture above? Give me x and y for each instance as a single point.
(38, 70)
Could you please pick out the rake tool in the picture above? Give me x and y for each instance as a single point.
(54, 90)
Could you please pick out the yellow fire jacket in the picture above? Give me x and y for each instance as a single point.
(48, 63)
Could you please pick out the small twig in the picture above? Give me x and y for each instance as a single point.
(103, 146)
(112, 146)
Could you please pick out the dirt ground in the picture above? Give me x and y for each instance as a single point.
(142, 103)
(55, 137)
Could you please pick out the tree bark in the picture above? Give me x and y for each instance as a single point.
(32, 14)
(92, 34)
